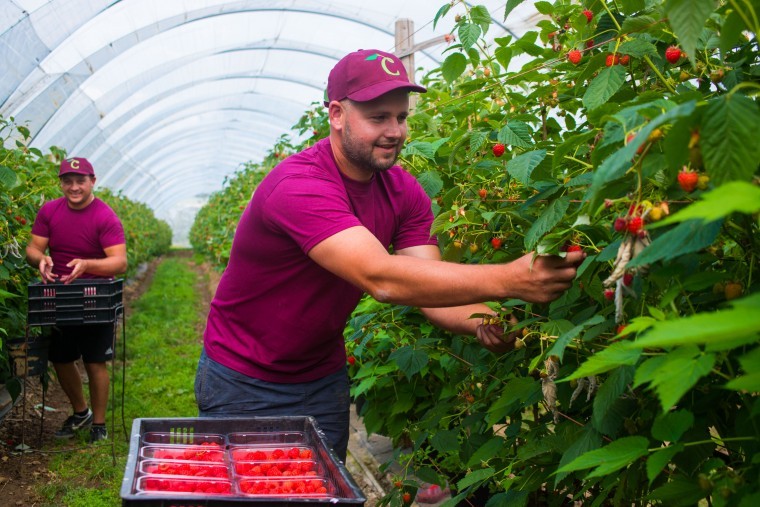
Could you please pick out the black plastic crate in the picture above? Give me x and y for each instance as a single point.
(261, 430)
(74, 317)
(83, 301)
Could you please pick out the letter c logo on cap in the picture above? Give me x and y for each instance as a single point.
(385, 68)
(74, 164)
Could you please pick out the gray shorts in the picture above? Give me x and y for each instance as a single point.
(222, 392)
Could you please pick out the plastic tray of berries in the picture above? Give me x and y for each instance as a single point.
(205, 453)
(270, 453)
(295, 447)
(156, 484)
(184, 469)
(288, 488)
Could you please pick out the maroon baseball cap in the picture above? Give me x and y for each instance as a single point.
(76, 165)
(367, 74)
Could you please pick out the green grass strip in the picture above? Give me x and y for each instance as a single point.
(163, 344)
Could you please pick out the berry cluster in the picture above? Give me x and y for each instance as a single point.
(276, 468)
(186, 469)
(272, 454)
(207, 451)
(207, 487)
(284, 487)
(616, 59)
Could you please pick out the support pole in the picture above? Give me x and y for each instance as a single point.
(404, 49)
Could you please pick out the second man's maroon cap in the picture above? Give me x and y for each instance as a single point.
(76, 165)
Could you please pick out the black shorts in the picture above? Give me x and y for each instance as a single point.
(94, 343)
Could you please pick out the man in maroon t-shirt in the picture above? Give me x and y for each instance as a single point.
(317, 236)
(85, 239)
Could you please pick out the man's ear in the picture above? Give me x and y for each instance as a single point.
(337, 114)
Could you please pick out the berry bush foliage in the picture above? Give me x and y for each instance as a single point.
(29, 178)
(627, 129)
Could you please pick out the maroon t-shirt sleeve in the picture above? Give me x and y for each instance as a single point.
(112, 232)
(309, 210)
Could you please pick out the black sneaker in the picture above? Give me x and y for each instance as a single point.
(98, 433)
(73, 424)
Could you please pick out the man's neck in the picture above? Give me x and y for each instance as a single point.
(82, 205)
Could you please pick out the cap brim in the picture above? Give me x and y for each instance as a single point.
(75, 172)
(374, 91)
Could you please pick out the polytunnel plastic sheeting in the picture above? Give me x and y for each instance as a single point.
(169, 98)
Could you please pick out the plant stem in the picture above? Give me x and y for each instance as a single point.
(659, 74)
(710, 441)
(584, 164)
(612, 17)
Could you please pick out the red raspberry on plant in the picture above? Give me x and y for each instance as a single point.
(498, 149)
(625, 59)
(609, 294)
(351, 360)
(406, 497)
(496, 243)
(612, 59)
(673, 54)
(635, 224)
(574, 56)
(620, 224)
(482, 193)
(575, 248)
(688, 180)
(628, 279)
(589, 15)
(590, 43)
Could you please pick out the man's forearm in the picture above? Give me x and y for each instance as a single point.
(457, 319)
(109, 266)
(34, 256)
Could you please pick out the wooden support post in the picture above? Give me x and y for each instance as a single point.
(404, 50)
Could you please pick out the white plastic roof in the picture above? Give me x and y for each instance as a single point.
(168, 97)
